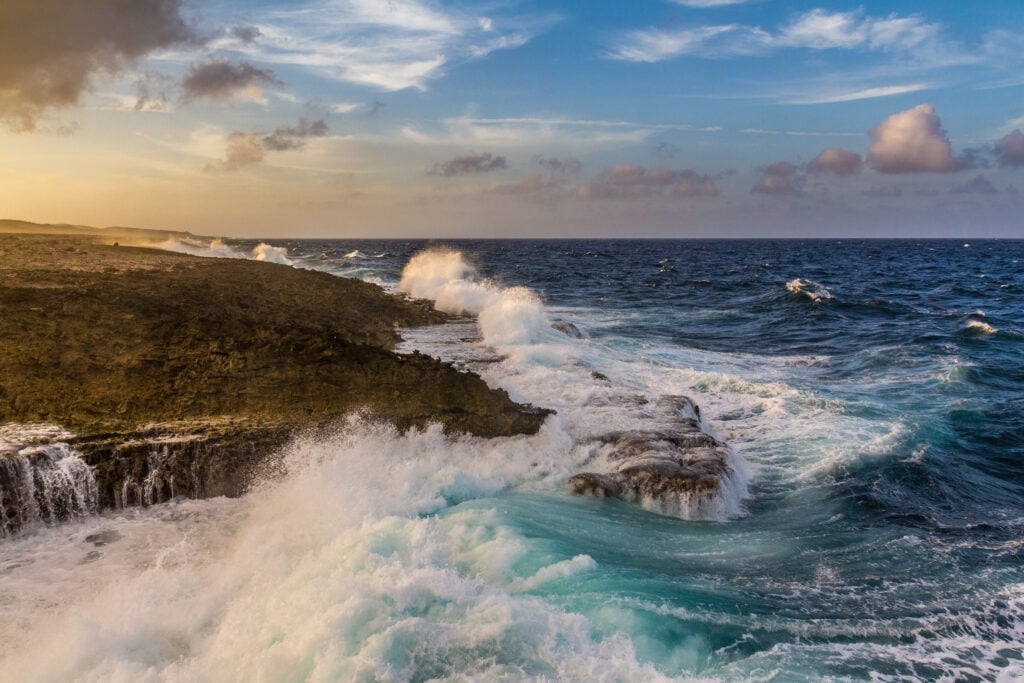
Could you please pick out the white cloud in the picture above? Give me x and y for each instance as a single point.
(817, 29)
(388, 45)
(865, 94)
(820, 29)
(911, 141)
(703, 4)
(529, 131)
(656, 45)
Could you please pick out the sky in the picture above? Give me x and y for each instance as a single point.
(516, 118)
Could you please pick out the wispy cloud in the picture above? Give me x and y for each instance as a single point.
(637, 182)
(704, 4)
(817, 29)
(469, 164)
(529, 131)
(800, 133)
(865, 94)
(388, 45)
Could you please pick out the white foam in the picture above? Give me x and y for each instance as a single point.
(266, 252)
(979, 327)
(809, 289)
(218, 249)
(546, 367)
(336, 573)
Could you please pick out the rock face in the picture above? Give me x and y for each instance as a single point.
(674, 467)
(183, 375)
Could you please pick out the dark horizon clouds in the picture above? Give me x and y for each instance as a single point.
(469, 164)
(629, 181)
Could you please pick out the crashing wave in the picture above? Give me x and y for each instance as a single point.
(654, 449)
(809, 289)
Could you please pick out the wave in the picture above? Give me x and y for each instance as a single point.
(809, 289)
(338, 572)
(554, 364)
(219, 249)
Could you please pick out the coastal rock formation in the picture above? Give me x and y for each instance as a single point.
(670, 466)
(181, 375)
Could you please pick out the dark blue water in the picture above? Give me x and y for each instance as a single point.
(885, 521)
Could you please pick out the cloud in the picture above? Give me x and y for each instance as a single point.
(220, 80)
(248, 148)
(247, 35)
(559, 167)
(835, 160)
(469, 164)
(911, 141)
(817, 29)
(637, 182)
(666, 150)
(294, 137)
(979, 184)
(243, 149)
(656, 45)
(820, 29)
(1010, 148)
(864, 94)
(703, 4)
(780, 179)
(51, 50)
(387, 45)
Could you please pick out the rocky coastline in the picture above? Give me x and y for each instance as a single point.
(181, 376)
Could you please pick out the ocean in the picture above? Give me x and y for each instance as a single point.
(871, 394)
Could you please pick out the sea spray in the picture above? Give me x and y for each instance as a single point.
(546, 364)
(357, 566)
(219, 249)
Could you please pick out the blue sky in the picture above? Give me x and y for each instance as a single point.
(421, 118)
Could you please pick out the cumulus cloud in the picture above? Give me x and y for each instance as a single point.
(637, 182)
(469, 164)
(836, 160)
(221, 80)
(911, 141)
(51, 50)
(1010, 149)
(780, 179)
(248, 148)
(979, 184)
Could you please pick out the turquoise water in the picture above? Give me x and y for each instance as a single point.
(872, 394)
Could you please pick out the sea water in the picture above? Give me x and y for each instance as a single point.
(871, 393)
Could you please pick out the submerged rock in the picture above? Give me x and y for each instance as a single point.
(673, 467)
